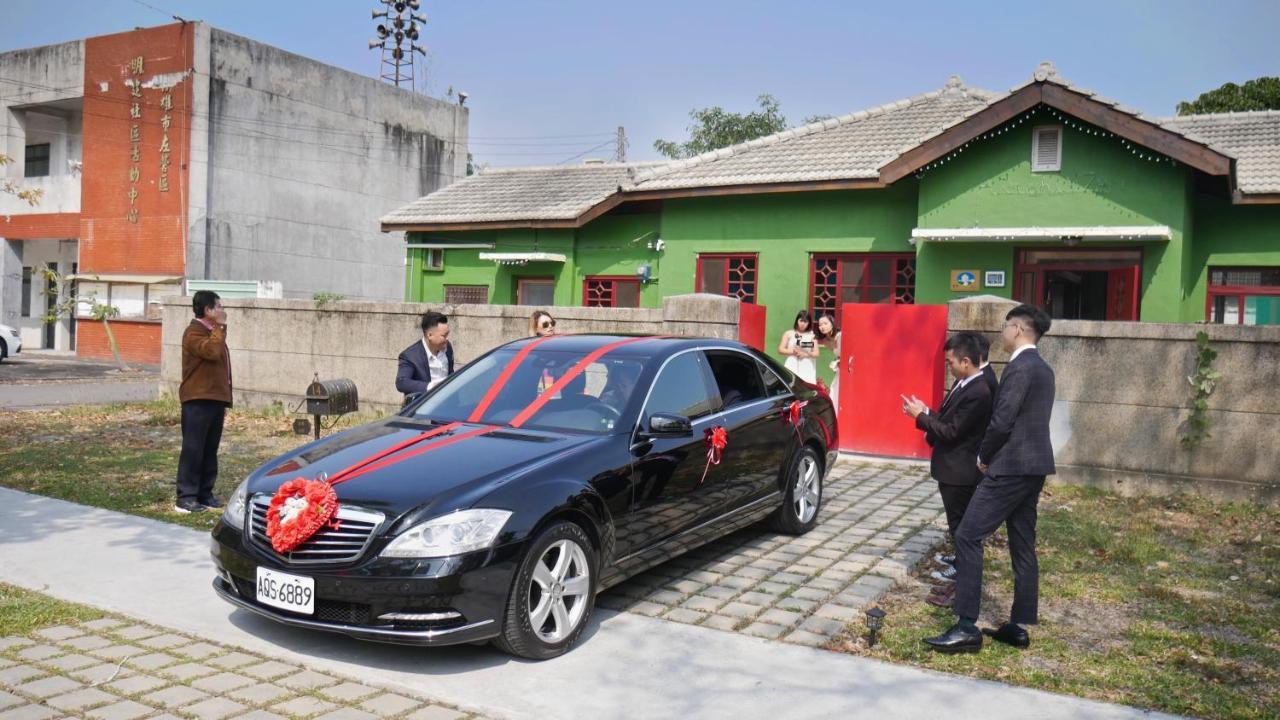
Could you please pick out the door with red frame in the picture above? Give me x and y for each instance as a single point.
(888, 351)
(1122, 292)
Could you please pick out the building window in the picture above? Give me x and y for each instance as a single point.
(37, 161)
(26, 291)
(466, 294)
(1046, 149)
(861, 278)
(434, 259)
(535, 291)
(1244, 296)
(731, 275)
(623, 292)
(1080, 283)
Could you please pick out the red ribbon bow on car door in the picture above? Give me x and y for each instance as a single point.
(716, 439)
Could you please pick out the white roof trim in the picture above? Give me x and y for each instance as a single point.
(125, 278)
(1042, 234)
(520, 258)
(448, 246)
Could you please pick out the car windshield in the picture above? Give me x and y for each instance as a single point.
(546, 390)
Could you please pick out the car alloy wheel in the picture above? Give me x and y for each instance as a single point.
(804, 496)
(552, 595)
(558, 591)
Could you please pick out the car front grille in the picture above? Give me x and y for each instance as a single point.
(334, 611)
(328, 546)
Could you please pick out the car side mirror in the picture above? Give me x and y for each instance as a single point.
(669, 425)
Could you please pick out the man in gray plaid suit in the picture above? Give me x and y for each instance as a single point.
(1015, 456)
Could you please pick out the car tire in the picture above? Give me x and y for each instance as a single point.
(4, 351)
(544, 616)
(803, 496)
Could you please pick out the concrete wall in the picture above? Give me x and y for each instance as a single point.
(1123, 402)
(277, 346)
(302, 159)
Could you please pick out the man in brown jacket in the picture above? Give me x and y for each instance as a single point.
(205, 393)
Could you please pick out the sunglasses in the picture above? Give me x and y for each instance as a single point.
(547, 324)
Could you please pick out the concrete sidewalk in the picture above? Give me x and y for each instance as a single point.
(624, 666)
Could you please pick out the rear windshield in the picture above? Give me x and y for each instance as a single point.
(536, 394)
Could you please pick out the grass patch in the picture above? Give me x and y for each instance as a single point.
(1171, 604)
(125, 457)
(22, 611)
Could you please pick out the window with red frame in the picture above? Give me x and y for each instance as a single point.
(732, 275)
(602, 291)
(861, 278)
(1244, 296)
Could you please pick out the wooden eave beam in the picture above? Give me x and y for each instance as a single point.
(1240, 198)
(468, 226)
(1142, 132)
(995, 115)
(753, 189)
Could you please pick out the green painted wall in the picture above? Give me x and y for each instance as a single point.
(784, 228)
(990, 184)
(1229, 235)
(464, 266)
(617, 245)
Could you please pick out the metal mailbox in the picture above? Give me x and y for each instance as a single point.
(332, 397)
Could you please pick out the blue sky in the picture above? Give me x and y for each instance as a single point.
(549, 80)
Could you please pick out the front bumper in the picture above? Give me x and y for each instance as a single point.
(447, 600)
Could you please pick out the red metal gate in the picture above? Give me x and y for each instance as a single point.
(888, 351)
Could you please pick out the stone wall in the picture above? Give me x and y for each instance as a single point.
(1123, 400)
(278, 346)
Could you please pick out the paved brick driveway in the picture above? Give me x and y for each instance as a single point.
(878, 520)
(112, 669)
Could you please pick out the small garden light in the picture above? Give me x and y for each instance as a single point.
(875, 619)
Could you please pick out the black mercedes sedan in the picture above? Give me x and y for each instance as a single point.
(498, 505)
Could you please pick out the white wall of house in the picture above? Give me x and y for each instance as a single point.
(35, 256)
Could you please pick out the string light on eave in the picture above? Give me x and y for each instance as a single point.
(1083, 128)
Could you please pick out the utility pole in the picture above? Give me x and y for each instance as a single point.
(620, 146)
(401, 24)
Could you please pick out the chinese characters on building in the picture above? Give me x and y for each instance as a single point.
(166, 104)
(134, 84)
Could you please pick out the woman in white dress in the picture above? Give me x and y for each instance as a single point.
(829, 336)
(800, 345)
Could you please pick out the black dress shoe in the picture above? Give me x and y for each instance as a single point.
(1009, 634)
(211, 503)
(956, 640)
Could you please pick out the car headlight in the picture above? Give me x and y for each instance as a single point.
(450, 534)
(233, 515)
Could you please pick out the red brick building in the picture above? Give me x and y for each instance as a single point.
(183, 152)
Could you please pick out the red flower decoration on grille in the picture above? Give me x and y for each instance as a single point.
(298, 510)
(716, 439)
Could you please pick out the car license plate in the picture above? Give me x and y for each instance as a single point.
(287, 592)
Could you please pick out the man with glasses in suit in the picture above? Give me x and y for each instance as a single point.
(1015, 456)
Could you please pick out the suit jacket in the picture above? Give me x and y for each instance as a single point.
(414, 373)
(1017, 439)
(955, 431)
(989, 377)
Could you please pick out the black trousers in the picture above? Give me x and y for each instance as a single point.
(201, 435)
(1010, 500)
(955, 499)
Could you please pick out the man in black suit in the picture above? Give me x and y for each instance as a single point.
(426, 363)
(954, 433)
(1015, 456)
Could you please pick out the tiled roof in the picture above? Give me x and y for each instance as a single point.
(852, 146)
(561, 192)
(1252, 138)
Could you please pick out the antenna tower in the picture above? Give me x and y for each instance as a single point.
(398, 38)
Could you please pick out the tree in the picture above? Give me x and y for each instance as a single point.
(29, 195)
(1259, 94)
(64, 304)
(715, 128)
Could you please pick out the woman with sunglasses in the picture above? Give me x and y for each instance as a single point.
(542, 324)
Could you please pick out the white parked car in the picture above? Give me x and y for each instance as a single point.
(10, 342)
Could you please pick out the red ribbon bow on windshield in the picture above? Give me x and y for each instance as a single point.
(716, 439)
